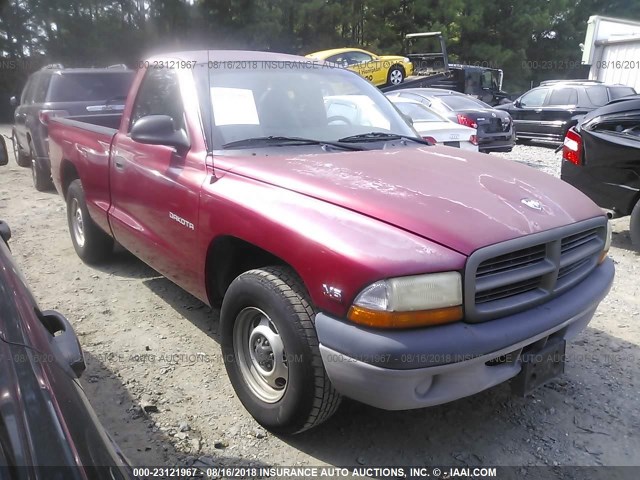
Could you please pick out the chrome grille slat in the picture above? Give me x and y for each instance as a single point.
(517, 274)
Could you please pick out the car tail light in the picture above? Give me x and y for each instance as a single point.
(430, 140)
(466, 121)
(572, 147)
(46, 115)
(473, 139)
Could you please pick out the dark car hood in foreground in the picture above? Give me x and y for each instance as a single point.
(47, 427)
(462, 200)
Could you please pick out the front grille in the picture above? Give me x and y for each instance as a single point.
(505, 278)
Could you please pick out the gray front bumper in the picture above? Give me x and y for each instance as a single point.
(399, 370)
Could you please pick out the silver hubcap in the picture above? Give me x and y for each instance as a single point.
(260, 354)
(396, 77)
(77, 223)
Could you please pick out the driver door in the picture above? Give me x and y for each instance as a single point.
(155, 188)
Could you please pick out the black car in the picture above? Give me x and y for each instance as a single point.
(494, 127)
(48, 430)
(548, 111)
(57, 91)
(601, 157)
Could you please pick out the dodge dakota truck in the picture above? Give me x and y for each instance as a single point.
(349, 256)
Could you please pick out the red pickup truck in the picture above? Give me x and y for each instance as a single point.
(349, 256)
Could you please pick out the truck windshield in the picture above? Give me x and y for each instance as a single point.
(290, 99)
(90, 87)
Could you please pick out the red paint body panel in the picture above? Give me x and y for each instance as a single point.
(88, 151)
(340, 219)
(464, 200)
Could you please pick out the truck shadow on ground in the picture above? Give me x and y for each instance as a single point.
(565, 421)
(134, 430)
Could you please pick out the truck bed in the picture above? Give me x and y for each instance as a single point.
(84, 142)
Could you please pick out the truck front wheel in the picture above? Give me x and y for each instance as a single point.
(271, 351)
(91, 244)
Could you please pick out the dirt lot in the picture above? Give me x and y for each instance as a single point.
(149, 344)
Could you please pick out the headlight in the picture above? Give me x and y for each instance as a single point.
(406, 302)
(607, 243)
(406, 60)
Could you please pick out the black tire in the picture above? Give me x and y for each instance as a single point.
(396, 75)
(41, 178)
(634, 226)
(277, 295)
(22, 159)
(91, 244)
(524, 141)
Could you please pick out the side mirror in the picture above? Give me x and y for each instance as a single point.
(4, 154)
(13, 101)
(159, 130)
(66, 341)
(517, 104)
(5, 232)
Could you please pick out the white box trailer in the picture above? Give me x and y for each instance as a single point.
(612, 49)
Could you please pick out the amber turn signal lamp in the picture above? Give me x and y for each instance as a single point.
(421, 318)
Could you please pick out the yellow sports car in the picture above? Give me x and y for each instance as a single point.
(379, 70)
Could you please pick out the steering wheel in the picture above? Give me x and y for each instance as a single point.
(338, 118)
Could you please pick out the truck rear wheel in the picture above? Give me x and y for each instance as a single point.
(91, 244)
(271, 352)
(634, 225)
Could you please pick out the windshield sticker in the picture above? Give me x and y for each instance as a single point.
(234, 106)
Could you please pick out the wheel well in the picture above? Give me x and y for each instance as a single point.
(69, 174)
(228, 257)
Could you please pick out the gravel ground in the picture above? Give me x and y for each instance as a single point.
(157, 381)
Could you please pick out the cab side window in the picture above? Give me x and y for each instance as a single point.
(159, 94)
(535, 98)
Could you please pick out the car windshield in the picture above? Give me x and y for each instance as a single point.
(419, 113)
(88, 87)
(295, 99)
(461, 102)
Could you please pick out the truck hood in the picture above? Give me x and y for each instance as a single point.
(462, 200)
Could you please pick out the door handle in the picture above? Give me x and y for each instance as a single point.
(119, 163)
(538, 110)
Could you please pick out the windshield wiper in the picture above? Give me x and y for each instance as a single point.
(381, 136)
(280, 141)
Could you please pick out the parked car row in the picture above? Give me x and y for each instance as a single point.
(495, 132)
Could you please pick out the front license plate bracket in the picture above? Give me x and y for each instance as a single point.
(539, 366)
